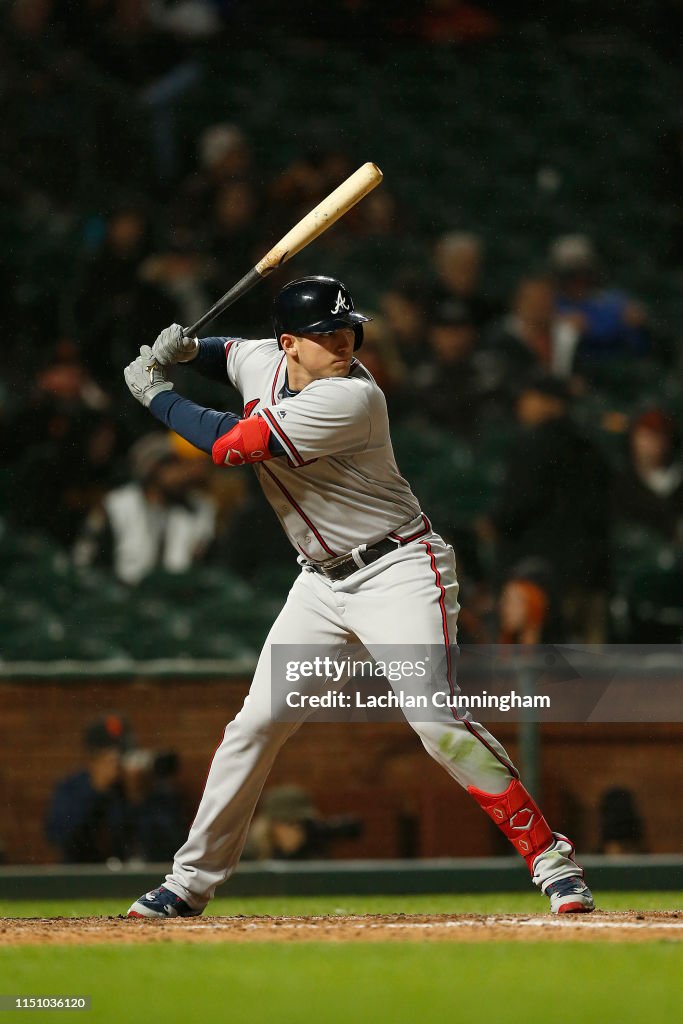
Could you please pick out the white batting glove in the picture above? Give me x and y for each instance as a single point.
(145, 379)
(173, 347)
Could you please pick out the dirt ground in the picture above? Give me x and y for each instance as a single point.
(628, 926)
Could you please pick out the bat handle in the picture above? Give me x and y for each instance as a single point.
(242, 286)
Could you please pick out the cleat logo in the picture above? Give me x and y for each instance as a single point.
(340, 304)
(522, 820)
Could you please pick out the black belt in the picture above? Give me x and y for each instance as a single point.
(339, 568)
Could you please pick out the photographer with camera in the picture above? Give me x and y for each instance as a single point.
(290, 827)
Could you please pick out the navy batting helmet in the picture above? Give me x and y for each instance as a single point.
(316, 305)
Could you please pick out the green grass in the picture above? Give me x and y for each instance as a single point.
(470, 903)
(353, 983)
(338, 984)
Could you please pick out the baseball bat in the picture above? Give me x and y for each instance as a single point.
(325, 214)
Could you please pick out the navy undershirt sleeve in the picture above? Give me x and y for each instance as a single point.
(201, 427)
(210, 361)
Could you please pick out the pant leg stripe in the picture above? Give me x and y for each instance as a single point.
(444, 621)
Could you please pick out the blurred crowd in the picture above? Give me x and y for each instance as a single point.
(125, 804)
(535, 368)
(122, 805)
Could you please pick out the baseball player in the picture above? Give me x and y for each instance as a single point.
(315, 428)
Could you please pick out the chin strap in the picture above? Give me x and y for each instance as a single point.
(246, 442)
(519, 818)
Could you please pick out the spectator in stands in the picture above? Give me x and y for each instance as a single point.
(554, 505)
(406, 307)
(621, 825)
(124, 804)
(523, 339)
(235, 228)
(181, 274)
(224, 153)
(458, 266)
(307, 180)
(523, 610)
(125, 242)
(302, 182)
(604, 323)
(109, 288)
(155, 825)
(449, 387)
(224, 156)
(140, 44)
(310, 177)
(63, 446)
(380, 215)
(125, 291)
(158, 520)
(380, 230)
(649, 492)
(86, 818)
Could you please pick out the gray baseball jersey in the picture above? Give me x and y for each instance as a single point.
(339, 485)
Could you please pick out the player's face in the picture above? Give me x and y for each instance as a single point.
(315, 356)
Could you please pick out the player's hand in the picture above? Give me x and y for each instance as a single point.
(173, 347)
(145, 379)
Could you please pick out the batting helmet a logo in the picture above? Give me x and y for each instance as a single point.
(340, 304)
